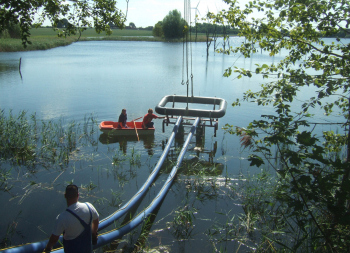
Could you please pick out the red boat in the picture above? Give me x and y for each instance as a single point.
(133, 128)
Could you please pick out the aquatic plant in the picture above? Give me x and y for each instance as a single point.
(30, 144)
(11, 230)
(221, 235)
(17, 139)
(135, 159)
(116, 199)
(5, 176)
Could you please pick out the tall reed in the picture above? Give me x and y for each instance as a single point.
(26, 141)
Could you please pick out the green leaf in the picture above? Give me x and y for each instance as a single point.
(255, 160)
(306, 139)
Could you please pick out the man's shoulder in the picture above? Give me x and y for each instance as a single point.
(93, 209)
(62, 216)
(87, 203)
(90, 205)
(79, 204)
(83, 205)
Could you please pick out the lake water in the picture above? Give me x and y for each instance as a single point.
(99, 79)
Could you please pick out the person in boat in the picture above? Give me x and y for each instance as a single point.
(147, 119)
(78, 223)
(122, 119)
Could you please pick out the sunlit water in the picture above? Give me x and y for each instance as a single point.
(99, 79)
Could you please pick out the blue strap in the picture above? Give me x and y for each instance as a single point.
(81, 221)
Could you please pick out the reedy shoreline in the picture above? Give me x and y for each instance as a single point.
(46, 38)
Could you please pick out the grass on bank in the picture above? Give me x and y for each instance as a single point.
(46, 38)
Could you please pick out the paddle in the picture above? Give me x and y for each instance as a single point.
(137, 134)
(136, 119)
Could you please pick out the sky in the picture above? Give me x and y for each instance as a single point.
(145, 13)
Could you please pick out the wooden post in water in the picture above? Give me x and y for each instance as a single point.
(19, 67)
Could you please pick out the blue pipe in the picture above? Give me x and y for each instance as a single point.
(124, 209)
(118, 233)
(104, 239)
(40, 246)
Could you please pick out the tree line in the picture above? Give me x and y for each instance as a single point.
(214, 29)
(173, 26)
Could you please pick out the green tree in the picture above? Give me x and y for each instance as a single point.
(80, 15)
(174, 26)
(11, 31)
(313, 175)
(132, 25)
(158, 29)
(62, 23)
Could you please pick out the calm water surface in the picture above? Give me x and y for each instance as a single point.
(99, 79)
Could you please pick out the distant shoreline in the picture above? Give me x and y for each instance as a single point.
(47, 38)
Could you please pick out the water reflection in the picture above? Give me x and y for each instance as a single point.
(201, 161)
(197, 166)
(8, 69)
(148, 141)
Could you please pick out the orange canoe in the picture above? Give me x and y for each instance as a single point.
(112, 127)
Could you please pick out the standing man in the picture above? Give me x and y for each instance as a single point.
(147, 119)
(122, 119)
(79, 225)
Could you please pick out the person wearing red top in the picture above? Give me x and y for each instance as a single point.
(147, 119)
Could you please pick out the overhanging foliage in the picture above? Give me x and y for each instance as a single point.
(79, 14)
(314, 184)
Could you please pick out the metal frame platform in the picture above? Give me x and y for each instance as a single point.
(161, 108)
